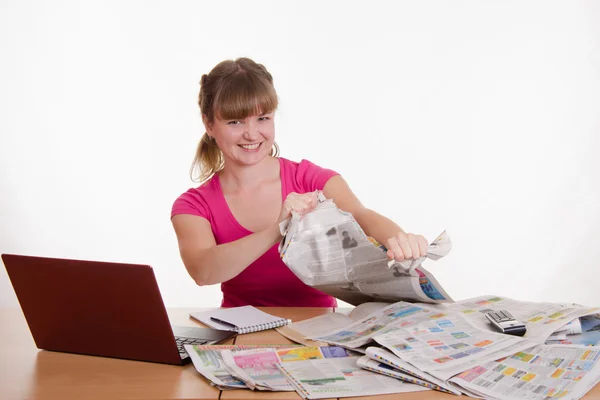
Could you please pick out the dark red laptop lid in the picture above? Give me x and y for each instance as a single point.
(95, 308)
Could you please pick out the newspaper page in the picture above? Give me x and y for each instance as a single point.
(438, 343)
(541, 319)
(366, 309)
(384, 369)
(257, 368)
(572, 328)
(361, 332)
(328, 250)
(541, 372)
(208, 362)
(331, 371)
(446, 345)
(300, 331)
(589, 334)
(383, 356)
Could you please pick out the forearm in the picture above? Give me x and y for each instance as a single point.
(376, 225)
(222, 262)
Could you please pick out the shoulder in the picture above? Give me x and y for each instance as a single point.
(196, 201)
(305, 175)
(300, 167)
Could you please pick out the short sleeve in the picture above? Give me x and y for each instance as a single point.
(192, 203)
(312, 177)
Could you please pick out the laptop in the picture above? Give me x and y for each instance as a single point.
(100, 309)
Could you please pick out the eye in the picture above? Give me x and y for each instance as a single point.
(234, 122)
(263, 118)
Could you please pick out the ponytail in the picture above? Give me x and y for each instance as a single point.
(207, 161)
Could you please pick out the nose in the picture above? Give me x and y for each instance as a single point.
(252, 131)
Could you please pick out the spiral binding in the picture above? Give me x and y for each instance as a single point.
(263, 327)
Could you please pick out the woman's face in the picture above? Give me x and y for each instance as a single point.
(244, 142)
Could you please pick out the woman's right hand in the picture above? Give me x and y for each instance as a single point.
(300, 203)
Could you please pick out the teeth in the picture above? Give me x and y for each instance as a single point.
(250, 146)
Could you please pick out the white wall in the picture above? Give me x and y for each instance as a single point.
(477, 117)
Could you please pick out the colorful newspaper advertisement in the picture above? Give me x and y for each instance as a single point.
(447, 344)
(438, 343)
(328, 250)
(541, 319)
(257, 368)
(208, 362)
(541, 372)
(331, 372)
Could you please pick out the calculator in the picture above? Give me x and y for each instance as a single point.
(505, 322)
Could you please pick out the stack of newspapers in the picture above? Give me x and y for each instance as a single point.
(382, 348)
(454, 349)
(314, 372)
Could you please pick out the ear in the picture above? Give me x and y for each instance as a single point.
(206, 122)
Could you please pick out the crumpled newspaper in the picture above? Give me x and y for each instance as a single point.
(328, 250)
(437, 249)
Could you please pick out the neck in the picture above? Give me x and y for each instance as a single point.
(235, 177)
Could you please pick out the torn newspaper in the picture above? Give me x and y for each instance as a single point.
(329, 251)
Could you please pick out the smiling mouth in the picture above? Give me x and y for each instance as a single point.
(250, 146)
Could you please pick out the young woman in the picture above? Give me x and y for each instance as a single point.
(228, 227)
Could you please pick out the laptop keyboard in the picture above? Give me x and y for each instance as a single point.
(185, 340)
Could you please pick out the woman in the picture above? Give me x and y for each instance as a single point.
(228, 228)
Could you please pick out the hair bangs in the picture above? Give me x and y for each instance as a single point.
(245, 95)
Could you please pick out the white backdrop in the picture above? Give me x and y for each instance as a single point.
(477, 117)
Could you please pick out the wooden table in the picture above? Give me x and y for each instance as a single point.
(29, 373)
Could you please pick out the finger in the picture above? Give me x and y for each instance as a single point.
(302, 205)
(298, 206)
(394, 247)
(403, 243)
(311, 200)
(291, 205)
(414, 246)
(289, 199)
(423, 245)
(288, 206)
(390, 254)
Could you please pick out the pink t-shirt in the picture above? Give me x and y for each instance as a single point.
(267, 281)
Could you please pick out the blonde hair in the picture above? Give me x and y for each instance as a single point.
(233, 89)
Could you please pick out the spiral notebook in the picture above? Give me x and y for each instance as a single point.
(243, 319)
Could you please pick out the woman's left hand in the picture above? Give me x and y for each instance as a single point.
(406, 246)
